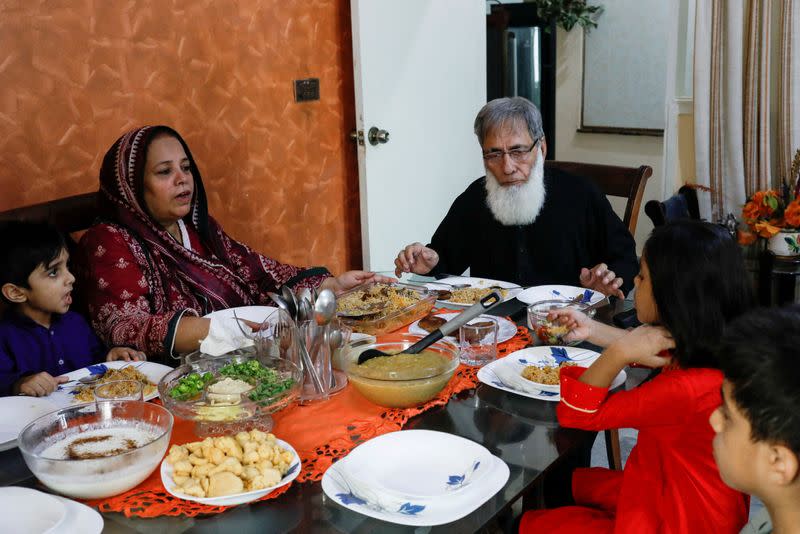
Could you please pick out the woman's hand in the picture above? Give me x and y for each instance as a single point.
(351, 279)
(580, 326)
(643, 344)
(126, 354)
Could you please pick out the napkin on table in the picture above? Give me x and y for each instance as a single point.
(224, 335)
(514, 380)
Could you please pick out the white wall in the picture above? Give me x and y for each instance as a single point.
(610, 149)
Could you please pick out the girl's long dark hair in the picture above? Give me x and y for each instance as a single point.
(699, 285)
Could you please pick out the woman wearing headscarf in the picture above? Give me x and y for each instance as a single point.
(157, 261)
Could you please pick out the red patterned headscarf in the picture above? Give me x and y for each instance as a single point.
(122, 202)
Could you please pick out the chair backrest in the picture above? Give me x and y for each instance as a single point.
(626, 182)
(70, 215)
(681, 205)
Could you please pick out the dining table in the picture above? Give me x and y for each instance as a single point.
(522, 431)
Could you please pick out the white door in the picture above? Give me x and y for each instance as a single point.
(420, 75)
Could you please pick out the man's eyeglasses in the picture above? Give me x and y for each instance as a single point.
(517, 154)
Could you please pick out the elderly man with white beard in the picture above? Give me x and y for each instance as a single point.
(522, 224)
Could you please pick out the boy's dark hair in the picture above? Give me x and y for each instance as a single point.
(699, 284)
(759, 357)
(25, 245)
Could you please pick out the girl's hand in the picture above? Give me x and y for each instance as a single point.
(643, 344)
(126, 354)
(351, 279)
(580, 326)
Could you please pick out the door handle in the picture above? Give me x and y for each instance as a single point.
(358, 136)
(377, 136)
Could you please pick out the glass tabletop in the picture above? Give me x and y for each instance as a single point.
(523, 432)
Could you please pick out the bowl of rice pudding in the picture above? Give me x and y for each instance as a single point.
(92, 451)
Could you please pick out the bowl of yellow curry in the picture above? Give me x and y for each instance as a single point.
(401, 380)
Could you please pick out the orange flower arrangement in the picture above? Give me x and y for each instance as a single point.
(769, 212)
(763, 213)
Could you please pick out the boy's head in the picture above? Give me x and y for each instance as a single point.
(33, 268)
(757, 442)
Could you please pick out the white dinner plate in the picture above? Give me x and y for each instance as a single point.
(65, 394)
(425, 464)
(505, 328)
(536, 294)
(80, 518)
(515, 362)
(28, 511)
(477, 283)
(551, 355)
(423, 512)
(17, 412)
(257, 314)
(236, 498)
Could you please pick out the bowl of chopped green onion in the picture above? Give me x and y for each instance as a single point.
(233, 392)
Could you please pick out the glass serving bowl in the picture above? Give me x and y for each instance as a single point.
(394, 387)
(389, 320)
(58, 447)
(243, 414)
(545, 331)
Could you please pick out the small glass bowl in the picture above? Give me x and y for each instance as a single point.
(401, 388)
(546, 332)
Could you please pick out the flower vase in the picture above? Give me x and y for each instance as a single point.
(785, 243)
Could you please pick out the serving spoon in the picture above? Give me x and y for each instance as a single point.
(447, 328)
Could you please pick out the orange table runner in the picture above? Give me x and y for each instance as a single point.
(321, 433)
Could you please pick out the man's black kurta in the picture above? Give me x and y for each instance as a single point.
(575, 228)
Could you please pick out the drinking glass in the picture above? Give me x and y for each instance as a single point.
(119, 390)
(478, 341)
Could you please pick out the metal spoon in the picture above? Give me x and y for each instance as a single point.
(91, 379)
(324, 311)
(281, 302)
(325, 307)
(454, 286)
(304, 294)
(447, 328)
(291, 299)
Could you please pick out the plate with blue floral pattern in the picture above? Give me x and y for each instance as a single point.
(506, 373)
(536, 294)
(394, 506)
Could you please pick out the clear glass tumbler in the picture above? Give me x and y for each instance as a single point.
(478, 341)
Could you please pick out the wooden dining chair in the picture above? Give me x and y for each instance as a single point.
(681, 205)
(625, 182)
(71, 215)
(628, 183)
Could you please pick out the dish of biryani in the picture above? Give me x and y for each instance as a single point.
(86, 393)
(471, 295)
(380, 299)
(547, 374)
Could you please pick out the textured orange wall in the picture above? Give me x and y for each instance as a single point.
(281, 176)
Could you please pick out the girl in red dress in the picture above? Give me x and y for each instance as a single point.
(692, 281)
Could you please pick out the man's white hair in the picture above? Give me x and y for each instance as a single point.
(520, 204)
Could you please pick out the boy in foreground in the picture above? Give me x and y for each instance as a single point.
(757, 442)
